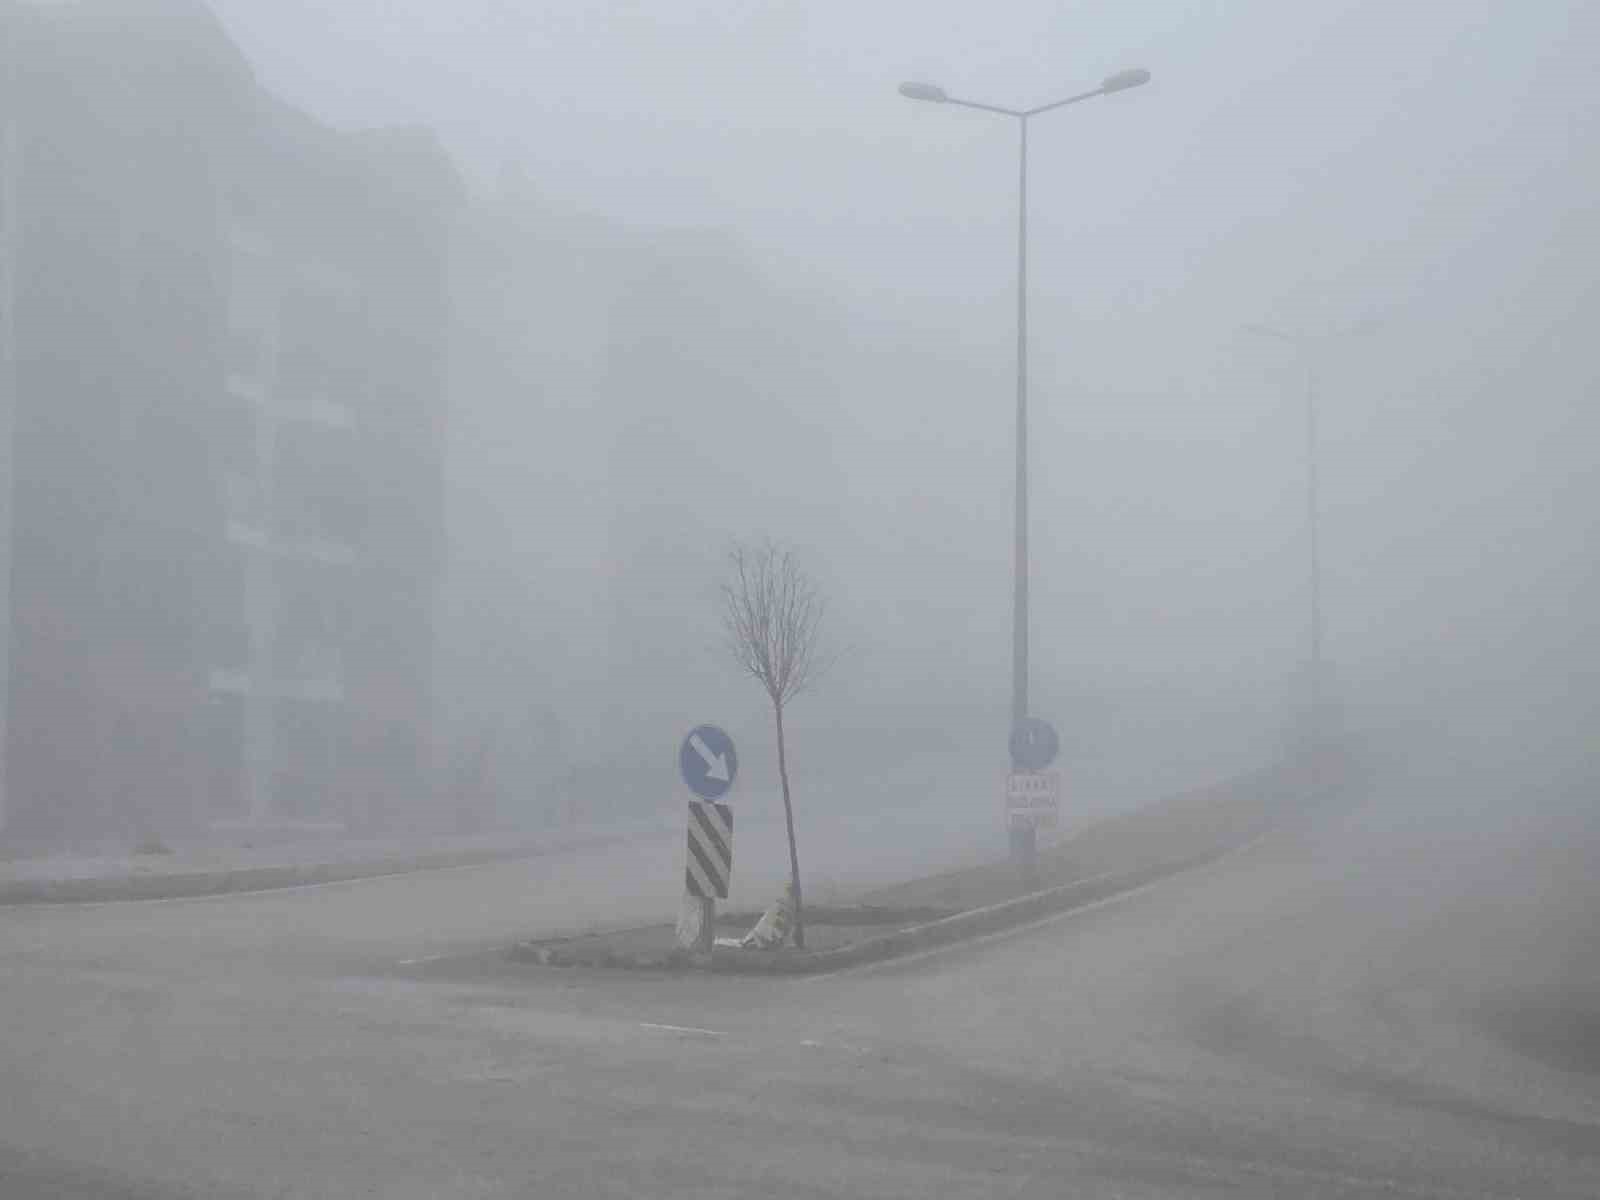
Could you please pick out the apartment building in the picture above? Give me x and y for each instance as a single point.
(228, 331)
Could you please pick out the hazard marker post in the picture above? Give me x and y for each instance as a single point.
(708, 763)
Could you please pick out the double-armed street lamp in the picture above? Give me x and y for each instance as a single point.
(1023, 840)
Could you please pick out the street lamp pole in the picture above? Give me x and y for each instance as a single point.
(1314, 537)
(1024, 845)
(1308, 349)
(1019, 609)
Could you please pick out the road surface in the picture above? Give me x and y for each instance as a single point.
(1398, 998)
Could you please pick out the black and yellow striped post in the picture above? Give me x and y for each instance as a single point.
(710, 855)
(708, 866)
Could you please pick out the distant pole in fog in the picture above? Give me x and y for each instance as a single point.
(1023, 840)
(1314, 664)
(1307, 349)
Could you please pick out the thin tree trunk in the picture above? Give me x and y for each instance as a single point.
(788, 817)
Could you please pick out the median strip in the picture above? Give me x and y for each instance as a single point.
(1131, 851)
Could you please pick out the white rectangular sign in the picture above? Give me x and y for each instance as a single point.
(1033, 797)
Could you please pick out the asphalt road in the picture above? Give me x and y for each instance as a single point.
(1399, 998)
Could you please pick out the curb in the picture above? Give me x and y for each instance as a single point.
(974, 923)
(186, 885)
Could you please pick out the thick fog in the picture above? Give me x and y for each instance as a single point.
(388, 389)
(710, 276)
(751, 289)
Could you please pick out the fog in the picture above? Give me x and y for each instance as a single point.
(387, 388)
(705, 275)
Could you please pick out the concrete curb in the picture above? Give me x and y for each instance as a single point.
(975, 923)
(184, 885)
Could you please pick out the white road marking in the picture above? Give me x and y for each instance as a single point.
(682, 1029)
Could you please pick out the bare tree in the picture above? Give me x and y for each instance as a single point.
(772, 614)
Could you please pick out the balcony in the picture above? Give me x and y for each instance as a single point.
(316, 383)
(305, 530)
(322, 684)
(298, 534)
(247, 243)
(245, 505)
(311, 672)
(313, 409)
(247, 386)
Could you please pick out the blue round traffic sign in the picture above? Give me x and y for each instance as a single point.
(708, 762)
(1034, 744)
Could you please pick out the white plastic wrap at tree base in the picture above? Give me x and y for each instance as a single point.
(775, 925)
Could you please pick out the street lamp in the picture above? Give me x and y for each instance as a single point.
(1023, 841)
(1307, 348)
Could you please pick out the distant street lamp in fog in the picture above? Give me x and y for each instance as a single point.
(1023, 842)
(1306, 347)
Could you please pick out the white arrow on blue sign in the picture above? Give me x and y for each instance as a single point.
(708, 762)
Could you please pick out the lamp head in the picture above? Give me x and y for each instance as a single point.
(1123, 80)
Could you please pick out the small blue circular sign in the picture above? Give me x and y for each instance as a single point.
(708, 762)
(1034, 744)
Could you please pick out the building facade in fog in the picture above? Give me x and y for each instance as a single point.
(624, 403)
(721, 425)
(225, 342)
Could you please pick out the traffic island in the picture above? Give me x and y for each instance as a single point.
(654, 947)
(836, 938)
(1103, 861)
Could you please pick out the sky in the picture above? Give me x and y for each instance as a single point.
(1408, 187)
(1359, 136)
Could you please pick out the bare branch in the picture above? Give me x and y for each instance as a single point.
(772, 618)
